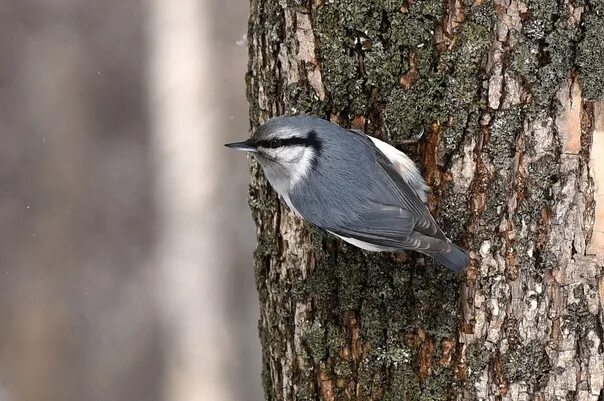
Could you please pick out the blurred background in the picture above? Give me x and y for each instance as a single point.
(125, 236)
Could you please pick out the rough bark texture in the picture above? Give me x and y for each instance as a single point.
(505, 92)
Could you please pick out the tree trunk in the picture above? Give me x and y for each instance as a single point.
(506, 93)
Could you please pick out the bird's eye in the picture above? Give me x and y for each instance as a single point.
(274, 143)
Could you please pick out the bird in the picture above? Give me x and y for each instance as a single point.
(355, 186)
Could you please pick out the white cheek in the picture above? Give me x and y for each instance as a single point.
(290, 154)
(302, 165)
(298, 160)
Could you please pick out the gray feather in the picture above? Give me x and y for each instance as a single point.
(386, 227)
(455, 259)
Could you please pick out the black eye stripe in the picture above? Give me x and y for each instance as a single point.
(278, 142)
(312, 141)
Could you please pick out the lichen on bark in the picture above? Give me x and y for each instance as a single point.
(495, 85)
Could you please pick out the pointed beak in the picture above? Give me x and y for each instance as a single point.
(246, 146)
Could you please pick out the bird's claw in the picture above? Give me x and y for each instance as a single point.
(414, 139)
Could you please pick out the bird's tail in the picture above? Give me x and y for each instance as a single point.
(454, 258)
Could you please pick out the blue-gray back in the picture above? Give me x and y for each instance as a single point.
(353, 189)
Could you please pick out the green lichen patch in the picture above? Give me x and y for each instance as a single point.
(528, 363)
(505, 127)
(591, 54)
(405, 385)
(409, 111)
(352, 276)
(435, 285)
(453, 213)
(364, 48)
(436, 386)
(557, 62)
(524, 60)
(478, 358)
(314, 339)
(482, 13)
(578, 318)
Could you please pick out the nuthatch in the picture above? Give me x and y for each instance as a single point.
(355, 186)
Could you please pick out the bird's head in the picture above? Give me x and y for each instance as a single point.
(287, 149)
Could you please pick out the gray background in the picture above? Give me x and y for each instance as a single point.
(125, 239)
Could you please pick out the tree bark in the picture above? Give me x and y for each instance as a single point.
(506, 93)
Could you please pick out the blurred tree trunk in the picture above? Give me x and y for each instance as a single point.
(506, 92)
(187, 247)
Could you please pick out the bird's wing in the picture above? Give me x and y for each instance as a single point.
(389, 227)
(383, 225)
(407, 225)
(402, 164)
(407, 196)
(409, 200)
